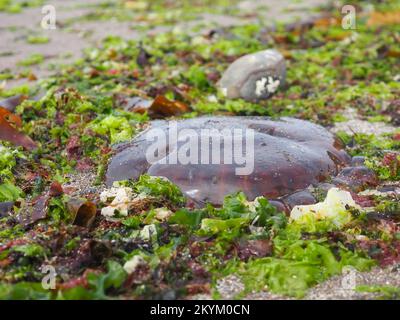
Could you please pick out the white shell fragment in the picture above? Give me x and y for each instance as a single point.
(335, 207)
(163, 214)
(121, 200)
(133, 264)
(254, 76)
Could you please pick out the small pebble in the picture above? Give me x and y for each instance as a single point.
(255, 76)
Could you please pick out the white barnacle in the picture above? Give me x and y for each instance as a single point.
(272, 85)
(260, 86)
(266, 84)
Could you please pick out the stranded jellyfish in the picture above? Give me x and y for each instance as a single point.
(211, 157)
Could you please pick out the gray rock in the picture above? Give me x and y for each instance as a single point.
(254, 76)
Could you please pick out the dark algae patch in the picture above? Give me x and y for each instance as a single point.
(126, 232)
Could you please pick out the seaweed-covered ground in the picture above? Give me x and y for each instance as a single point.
(61, 122)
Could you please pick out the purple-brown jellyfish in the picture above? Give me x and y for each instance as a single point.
(288, 155)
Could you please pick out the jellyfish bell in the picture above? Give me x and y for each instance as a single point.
(285, 155)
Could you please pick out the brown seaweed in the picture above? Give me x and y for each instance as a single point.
(83, 212)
